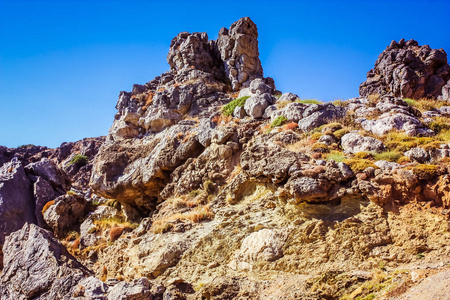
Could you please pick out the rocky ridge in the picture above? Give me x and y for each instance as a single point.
(211, 184)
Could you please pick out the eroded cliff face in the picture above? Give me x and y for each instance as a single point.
(211, 184)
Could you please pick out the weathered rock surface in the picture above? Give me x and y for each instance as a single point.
(16, 199)
(353, 143)
(238, 47)
(408, 70)
(265, 245)
(37, 266)
(64, 213)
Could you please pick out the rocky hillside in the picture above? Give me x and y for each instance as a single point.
(212, 184)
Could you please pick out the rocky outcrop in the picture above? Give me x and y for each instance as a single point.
(238, 47)
(16, 199)
(37, 266)
(353, 143)
(387, 114)
(408, 70)
(262, 198)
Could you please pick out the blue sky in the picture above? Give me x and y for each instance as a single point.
(63, 63)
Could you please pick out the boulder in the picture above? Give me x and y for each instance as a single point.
(90, 288)
(399, 121)
(270, 161)
(308, 189)
(446, 92)
(353, 143)
(288, 97)
(64, 213)
(43, 192)
(136, 172)
(408, 70)
(418, 154)
(138, 289)
(16, 199)
(36, 265)
(293, 112)
(316, 115)
(49, 171)
(256, 104)
(337, 171)
(387, 165)
(264, 245)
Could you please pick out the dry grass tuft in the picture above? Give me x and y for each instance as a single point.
(47, 205)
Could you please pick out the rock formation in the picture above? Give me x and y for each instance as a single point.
(211, 184)
(408, 70)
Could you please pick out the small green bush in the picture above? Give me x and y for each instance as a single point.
(337, 157)
(26, 146)
(425, 172)
(320, 148)
(439, 126)
(393, 156)
(340, 133)
(359, 165)
(280, 120)
(363, 155)
(79, 160)
(308, 101)
(228, 109)
(410, 102)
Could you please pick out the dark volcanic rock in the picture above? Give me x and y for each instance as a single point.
(36, 265)
(16, 199)
(408, 70)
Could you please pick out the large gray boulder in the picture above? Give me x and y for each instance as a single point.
(37, 266)
(418, 154)
(49, 171)
(256, 104)
(16, 199)
(353, 143)
(316, 115)
(408, 70)
(64, 213)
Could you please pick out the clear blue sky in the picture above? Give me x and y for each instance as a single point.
(63, 63)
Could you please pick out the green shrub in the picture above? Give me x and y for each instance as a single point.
(340, 103)
(26, 146)
(359, 165)
(425, 172)
(439, 125)
(228, 109)
(308, 101)
(320, 147)
(410, 102)
(79, 160)
(315, 136)
(393, 156)
(336, 156)
(280, 120)
(363, 155)
(340, 133)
